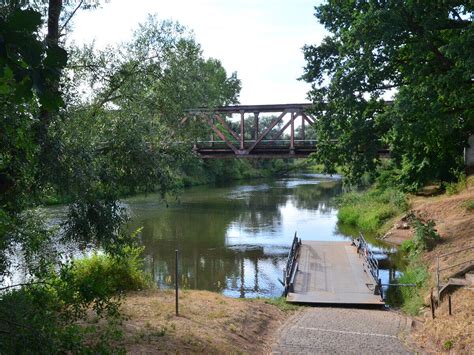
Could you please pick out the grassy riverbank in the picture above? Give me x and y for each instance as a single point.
(424, 227)
(373, 210)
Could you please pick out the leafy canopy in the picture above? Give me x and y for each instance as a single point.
(420, 52)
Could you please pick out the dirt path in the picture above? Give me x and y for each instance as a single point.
(343, 330)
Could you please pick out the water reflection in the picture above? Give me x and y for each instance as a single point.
(234, 239)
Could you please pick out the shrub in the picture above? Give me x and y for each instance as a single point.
(43, 317)
(456, 187)
(425, 237)
(116, 273)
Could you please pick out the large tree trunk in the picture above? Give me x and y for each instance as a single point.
(54, 12)
(48, 154)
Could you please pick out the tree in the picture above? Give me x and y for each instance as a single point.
(418, 50)
(135, 100)
(91, 147)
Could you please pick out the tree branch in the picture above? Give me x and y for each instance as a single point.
(415, 27)
(25, 284)
(70, 17)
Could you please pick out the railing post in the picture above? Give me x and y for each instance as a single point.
(437, 278)
(176, 282)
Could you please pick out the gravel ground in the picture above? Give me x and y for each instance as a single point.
(343, 330)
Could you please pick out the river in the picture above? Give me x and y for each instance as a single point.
(234, 238)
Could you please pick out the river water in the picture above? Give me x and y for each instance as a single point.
(235, 238)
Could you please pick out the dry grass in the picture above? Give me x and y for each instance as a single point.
(445, 332)
(455, 224)
(208, 322)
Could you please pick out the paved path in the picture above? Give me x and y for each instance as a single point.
(325, 330)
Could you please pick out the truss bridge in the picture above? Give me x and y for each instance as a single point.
(256, 131)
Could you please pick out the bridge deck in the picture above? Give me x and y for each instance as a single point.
(332, 273)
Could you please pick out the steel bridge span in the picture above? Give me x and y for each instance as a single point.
(227, 141)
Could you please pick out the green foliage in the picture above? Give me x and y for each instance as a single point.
(469, 205)
(88, 148)
(448, 344)
(410, 298)
(371, 209)
(109, 275)
(424, 239)
(458, 186)
(419, 48)
(44, 316)
(216, 170)
(281, 304)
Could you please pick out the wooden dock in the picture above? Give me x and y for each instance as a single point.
(333, 273)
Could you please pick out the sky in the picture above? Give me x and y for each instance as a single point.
(261, 40)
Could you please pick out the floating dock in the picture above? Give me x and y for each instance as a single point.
(332, 273)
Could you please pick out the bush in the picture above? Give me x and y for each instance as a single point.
(425, 237)
(43, 317)
(38, 319)
(458, 186)
(113, 274)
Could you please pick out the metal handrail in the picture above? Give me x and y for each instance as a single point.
(289, 272)
(370, 261)
(455, 252)
(438, 270)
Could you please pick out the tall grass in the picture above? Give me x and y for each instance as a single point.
(371, 209)
(410, 298)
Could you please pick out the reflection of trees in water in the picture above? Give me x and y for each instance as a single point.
(198, 229)
(317, 197)
(263, 208)
(214, 269)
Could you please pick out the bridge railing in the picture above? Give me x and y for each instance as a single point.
(266, 143)
(370, 262)
(289, 272)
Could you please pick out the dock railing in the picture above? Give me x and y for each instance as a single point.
(370, 262)
(289, 272)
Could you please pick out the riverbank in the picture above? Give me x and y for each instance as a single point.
(210, 172)
(454, 221)
(453, 218)
(207, 322)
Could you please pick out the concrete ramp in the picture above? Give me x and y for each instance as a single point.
(332, 273)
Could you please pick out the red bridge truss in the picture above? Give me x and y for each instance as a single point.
(226, 142)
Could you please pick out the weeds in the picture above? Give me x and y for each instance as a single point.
(456, 187)
(424, 239)
(281, 304)
(448, 345)
(370, 210)
(409, 298)
(469, 205)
